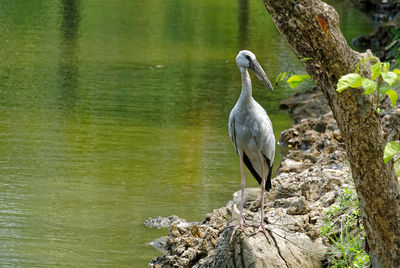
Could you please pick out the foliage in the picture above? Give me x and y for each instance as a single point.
(380, 71)
(386, 79)
(349, 80)
(342, 230)
(391, 149)
(294, 80)
(342, 221)
(347, 201)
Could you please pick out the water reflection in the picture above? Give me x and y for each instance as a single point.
(70, 15)
(243, 18)
(68, 65)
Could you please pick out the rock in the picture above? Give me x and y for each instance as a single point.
(307, 134)
(383, 41)
(289, 165)
(377, 40)
(250, 195)
(328, 199)
(160, 244)
(163, 222)
(293, 209)
(391, 123)
(297, 206)
(283, 249)
(305, 105)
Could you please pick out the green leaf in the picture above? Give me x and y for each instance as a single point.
(305, 59)
(349, 80)
(392, 96)
(383, 87)
(280, 77)
(368, 85)
(397, 71)
(296, 80)
(376, 70)
(385, 67)
(283, 75)
(391, 149)
(389, 77)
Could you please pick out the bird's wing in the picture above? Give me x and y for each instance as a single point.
(265, 142)
(264, 136)
(232, 132)
(269, 143)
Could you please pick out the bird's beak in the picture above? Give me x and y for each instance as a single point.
(259, 72)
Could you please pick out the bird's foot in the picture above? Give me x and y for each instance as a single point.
(262, 229)
(239, 226)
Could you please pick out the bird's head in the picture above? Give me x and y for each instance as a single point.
(247, 59)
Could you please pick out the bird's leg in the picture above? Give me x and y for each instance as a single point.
(262, 228)
(243, 185)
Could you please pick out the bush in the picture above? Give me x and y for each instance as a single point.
(344, 231)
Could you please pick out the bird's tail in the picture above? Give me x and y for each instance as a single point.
(268, 184)
(255, 174)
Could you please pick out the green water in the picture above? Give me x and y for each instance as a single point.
(115, 111)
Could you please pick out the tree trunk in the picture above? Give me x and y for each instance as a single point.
(312, 30)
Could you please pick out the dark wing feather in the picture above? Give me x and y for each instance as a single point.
(255, 174)
(268, 180)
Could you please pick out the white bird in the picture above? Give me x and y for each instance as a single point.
(251, 133)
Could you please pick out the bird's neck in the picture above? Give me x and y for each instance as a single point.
(245, 95)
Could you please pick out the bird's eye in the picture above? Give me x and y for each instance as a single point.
(250, 62)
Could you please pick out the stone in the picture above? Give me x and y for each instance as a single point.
(308, 104)
(250, 195)
(289, 165)
(297, 206)
(163, 222)
(328, 199)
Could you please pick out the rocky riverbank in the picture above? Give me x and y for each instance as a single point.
(312, 175)
(308, 181)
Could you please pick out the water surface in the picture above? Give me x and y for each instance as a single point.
(115, 111)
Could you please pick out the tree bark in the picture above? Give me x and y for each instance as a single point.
(312, 30)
